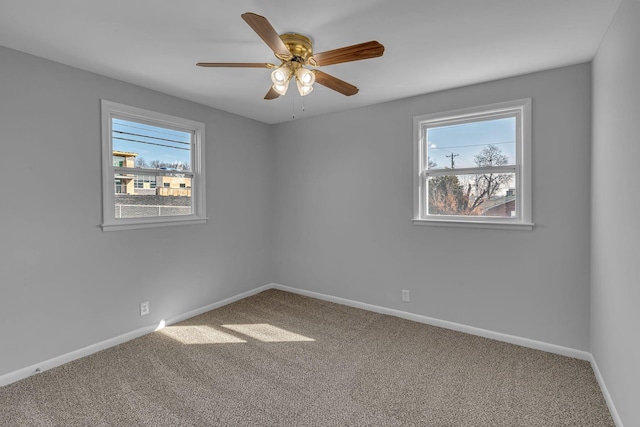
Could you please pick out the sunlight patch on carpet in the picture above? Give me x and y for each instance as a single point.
(267, 333)
(200, 335)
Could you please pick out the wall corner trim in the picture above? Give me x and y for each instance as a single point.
(605, 392)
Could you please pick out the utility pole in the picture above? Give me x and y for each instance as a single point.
(453, 156)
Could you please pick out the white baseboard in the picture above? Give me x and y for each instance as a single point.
(525, 342)
(45, 365)
(605, 393)
(14, 376)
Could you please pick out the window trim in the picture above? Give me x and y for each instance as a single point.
(522, 167)
(109, 110)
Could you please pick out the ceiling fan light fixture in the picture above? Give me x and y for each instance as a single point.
(305, 77)
(304, 81)
(280, 76)
(303, 89)
(281, 89)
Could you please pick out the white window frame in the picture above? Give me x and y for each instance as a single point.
(112, 110)
(521, 109)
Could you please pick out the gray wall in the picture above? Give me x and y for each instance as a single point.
(615, 271)
(65, 284)
(325, 204)
(343, 203)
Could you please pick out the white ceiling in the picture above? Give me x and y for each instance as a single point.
(429, 45)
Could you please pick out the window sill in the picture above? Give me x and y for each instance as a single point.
(504, 225)
(133, 225)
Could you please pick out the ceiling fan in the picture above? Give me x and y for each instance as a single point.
(295, 52)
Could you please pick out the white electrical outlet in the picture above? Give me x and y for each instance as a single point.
(144, 308)
(405, 295)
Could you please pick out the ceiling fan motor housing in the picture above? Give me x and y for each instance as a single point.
(301, 47)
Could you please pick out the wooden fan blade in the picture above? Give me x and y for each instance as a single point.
(263, 28)
(236, 64)
(335, 83)
(357, 52)
(272, 94)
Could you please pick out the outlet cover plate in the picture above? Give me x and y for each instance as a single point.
(405, 295)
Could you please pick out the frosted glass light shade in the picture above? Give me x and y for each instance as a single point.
(305, 77)
(281, 89)
(302, 89)
(280, 76)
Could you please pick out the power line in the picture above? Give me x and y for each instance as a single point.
(150, 143)
(151, 137)
(120, 122)
(472, 145)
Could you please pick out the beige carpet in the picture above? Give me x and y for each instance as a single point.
(279, 359)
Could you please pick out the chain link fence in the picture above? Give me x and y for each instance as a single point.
(142, 211)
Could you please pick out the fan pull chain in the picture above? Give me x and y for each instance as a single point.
(293, 106)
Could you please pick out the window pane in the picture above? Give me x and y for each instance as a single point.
(119, 187)
(145, 146)
(471, 145)
(139, 196)
(490, 195)
(118, 161)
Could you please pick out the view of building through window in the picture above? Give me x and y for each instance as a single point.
(153, 174)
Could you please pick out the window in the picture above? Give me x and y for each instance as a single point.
(144, 152)
(145, 181)
(472, 167)
(118, 161)
(119, 187)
